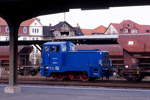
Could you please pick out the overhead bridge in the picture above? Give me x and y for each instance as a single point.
(94, 39)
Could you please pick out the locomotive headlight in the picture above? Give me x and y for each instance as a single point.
(100, 53)
(100, 62)
(126, 66)
(46, 67)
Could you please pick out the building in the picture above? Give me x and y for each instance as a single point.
(127, 27)
(60, 30)
(30, 29)
(4, 30)
(35, 32)
(100, 30)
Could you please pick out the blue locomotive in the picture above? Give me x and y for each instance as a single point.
(61, 61)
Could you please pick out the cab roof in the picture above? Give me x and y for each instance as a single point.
(55, 43)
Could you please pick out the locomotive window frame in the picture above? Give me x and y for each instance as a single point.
(55, 48)
(72, 47)
(46, 48)
(64, 48)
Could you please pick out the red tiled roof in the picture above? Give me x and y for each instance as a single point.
(116, 26)
(28, 22)
(25, 23)
(143, 28)
(87, 31)
(2, 21)
(130, 25)
(99, 29)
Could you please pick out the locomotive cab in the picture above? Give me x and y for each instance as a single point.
(61, 61)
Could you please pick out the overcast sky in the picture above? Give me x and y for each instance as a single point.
(93, 18)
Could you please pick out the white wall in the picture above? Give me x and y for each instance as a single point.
(3, 37)
(36, 26)
(111, 30)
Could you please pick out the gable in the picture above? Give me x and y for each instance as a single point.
(62, 26)
(112, 29)
(65, 28)
(35, 23)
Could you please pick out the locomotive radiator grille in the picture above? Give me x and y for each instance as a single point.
(105, 59)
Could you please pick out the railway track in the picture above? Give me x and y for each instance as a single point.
(97, 83)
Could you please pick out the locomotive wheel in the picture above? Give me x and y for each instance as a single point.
(71, 77)
(84, 77)
(60, 77)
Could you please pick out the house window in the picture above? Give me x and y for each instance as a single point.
(125, 30)
(56, 33)
(32, 38)
(32, 61)
(24, 38)
(37, 30)
(32, 30)
(133, 31)
(7, 39)
(72, 34)
(64, 25)
(130, 42)
(0, 28)
(36, 38)
(24, 29)
(7, 29)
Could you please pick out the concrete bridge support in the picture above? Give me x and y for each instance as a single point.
(13, 58)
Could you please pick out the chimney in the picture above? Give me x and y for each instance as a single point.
(78, 25)
(50, 24)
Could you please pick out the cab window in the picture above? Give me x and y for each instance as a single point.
(55, 49)
(64, 48)
(46, 49)
(72, 47)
